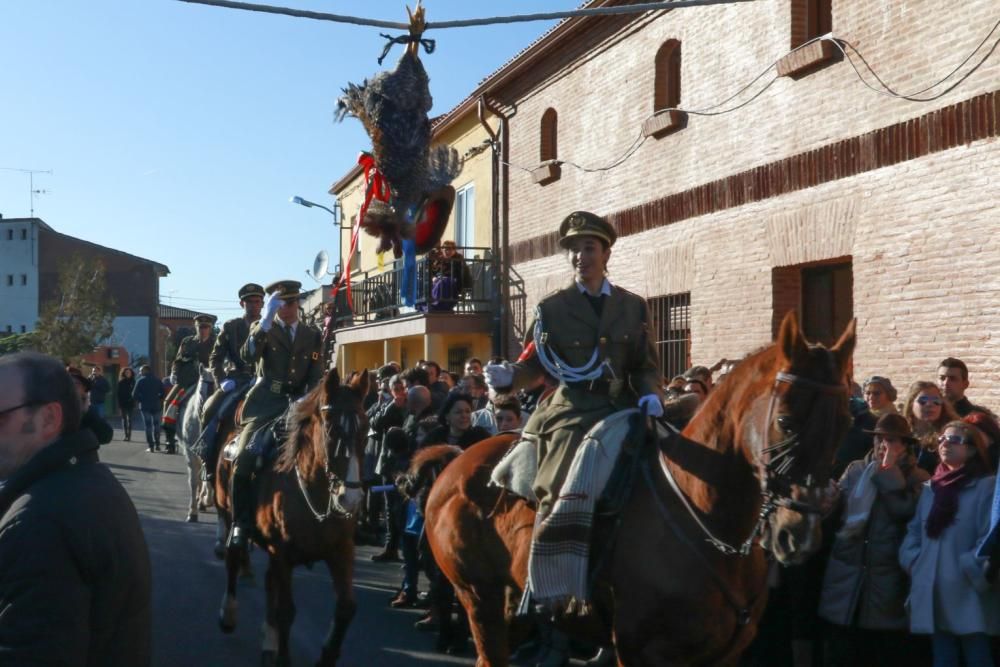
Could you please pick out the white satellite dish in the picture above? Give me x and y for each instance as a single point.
(320, 265)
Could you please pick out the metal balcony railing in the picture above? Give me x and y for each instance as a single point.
(463, 283)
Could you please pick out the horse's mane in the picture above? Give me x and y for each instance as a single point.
(299, 430)
(433, 454)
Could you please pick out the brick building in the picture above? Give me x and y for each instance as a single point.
(820, 195)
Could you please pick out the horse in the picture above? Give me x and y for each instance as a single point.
(685, 579)
(306, 511)
(187, 436)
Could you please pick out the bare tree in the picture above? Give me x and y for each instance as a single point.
(81, 313)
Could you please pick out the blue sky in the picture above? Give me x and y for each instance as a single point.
(177, 132)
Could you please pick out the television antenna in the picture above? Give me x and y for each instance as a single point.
(320, 265)
(32, 192)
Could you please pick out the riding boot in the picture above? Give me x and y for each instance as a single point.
(556, 653)
(244, 504)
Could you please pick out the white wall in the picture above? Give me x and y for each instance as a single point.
(132, 333)
(18, 257)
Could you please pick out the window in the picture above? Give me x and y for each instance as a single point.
(465, 216)
(667, 87)
(456, 359)
(10, 234)
(810, 19)
(10, 329)
(671, 326)
(24, 234)
(24, 278)
(822, 294)
(827, 301)
(549, 135)
(24, 329)
(10, 279)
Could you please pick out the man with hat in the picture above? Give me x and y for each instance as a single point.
(288, 355)
(233, 376)
(192, 354)
(593, 338)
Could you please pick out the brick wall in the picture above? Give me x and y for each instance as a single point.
(920, 231)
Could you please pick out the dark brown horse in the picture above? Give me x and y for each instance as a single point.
(306, 508)
(688, 569)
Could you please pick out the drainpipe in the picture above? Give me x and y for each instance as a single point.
(499, 224)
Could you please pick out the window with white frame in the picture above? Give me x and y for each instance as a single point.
(465, 216)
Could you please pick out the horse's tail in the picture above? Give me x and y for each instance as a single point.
(424, 469)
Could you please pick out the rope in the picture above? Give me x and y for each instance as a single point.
(558, 368)
(465, 23)
(428, 44)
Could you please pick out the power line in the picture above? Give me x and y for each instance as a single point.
(466, 23)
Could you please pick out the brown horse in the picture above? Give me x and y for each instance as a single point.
(685, 583)
(305, 512)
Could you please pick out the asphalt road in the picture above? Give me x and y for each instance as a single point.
(188, 584)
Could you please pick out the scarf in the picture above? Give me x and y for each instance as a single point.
(946, 485)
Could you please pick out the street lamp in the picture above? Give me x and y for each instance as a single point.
(311, 204)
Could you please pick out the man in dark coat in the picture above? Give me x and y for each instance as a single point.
(74, 567)
(149, 393)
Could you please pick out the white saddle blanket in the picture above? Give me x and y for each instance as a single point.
(517, 469)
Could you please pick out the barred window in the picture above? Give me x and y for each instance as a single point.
(667, 87)
(671, 328)
(549, 135)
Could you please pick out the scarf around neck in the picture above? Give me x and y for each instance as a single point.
(946, 485)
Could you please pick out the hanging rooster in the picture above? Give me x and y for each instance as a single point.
(393, 108)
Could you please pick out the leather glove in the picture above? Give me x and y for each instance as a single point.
(227, 385)
(499, 375)
(651, 403)
(271, 306)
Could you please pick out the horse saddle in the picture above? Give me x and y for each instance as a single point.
(265, 443)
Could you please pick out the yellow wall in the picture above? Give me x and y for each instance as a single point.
(406, 351)
(465, 134)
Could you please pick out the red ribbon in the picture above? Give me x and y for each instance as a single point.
(376, 187)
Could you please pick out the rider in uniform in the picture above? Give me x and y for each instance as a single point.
(594, 339)
(192, 354)
(288, 355)
(233, 376)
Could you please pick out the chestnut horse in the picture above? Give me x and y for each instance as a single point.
(305, 513)
(686, 580)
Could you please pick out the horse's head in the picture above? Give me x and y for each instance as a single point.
(344, 429)
(806, 419)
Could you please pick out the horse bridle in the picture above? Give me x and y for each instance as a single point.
(333, 506)
(773, 464)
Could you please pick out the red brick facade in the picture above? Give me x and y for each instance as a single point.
(819, 170)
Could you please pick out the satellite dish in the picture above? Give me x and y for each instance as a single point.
(320, 264)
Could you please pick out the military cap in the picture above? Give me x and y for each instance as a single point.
(205, 319)
(286, 289)
(251, 289)
(584, 223)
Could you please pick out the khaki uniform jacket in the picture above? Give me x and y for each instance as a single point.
(287, 369)
(572, 330)
(190, 354)
(226, 359)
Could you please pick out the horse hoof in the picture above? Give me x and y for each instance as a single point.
(192, 517)
(227, 614)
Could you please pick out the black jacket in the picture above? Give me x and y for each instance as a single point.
(74, 566)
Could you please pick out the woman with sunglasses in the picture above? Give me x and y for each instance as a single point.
(927, 411)
(950, 598)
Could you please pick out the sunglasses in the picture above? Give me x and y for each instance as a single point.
(929, 400)
(952, 440)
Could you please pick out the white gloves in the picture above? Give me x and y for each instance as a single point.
(652, 405)
(499, 375)
(227, 385)
(271, 306)
(173, 378)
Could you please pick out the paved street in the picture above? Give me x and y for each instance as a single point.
(188, 583)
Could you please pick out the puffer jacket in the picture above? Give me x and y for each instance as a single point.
(864, 585)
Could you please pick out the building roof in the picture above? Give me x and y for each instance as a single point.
(166, 312)
(162, 270)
